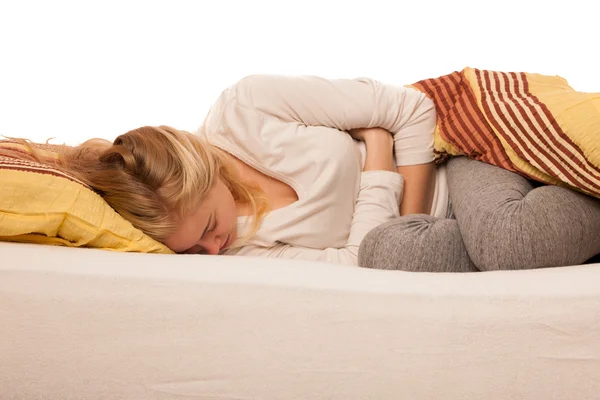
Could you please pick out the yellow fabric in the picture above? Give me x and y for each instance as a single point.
(577, 113)
(50, 209)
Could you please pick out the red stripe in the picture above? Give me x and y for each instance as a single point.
(446, 118)
(490, 148)
(587, 166)
(452, 136)
(558, 160)
(531, 132)
(454, 119)
(502, 117)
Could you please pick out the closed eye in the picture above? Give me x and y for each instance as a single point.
(209, 228)
(215, 224)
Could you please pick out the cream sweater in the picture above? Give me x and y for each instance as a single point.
(294, 129)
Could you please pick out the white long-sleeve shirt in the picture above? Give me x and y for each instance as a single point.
(294, 129)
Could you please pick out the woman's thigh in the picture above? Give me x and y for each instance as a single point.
(508, 223)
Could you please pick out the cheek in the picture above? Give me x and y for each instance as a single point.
(228, 210)
(231, 208)
(231, 214)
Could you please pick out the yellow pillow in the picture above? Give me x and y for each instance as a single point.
(39, 204)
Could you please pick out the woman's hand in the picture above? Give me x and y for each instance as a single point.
(419, 180)
(380, 148)
(364, 134)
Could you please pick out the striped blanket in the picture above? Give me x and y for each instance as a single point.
(535, 125)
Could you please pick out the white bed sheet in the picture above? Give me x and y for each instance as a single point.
(89, 324)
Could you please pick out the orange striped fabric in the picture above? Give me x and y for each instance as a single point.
(495, 117)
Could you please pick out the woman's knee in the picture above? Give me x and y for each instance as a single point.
(415, 243)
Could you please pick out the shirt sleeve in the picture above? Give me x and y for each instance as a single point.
(342, 104)
(377, 203)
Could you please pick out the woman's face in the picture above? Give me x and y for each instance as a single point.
(211, 227)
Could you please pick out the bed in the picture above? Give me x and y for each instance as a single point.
(83, 324)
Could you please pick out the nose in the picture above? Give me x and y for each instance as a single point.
(212, 245)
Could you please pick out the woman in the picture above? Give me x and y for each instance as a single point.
(295, 167)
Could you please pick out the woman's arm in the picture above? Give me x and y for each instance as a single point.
(379, 144)
(257, 103)
(419, 185)
(419, 180)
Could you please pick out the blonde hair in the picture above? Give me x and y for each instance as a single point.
(156, 176)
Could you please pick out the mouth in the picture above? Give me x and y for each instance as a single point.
(224, 245)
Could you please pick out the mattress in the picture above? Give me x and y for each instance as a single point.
(92, 324)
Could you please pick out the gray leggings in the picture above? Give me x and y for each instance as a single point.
(503, 222)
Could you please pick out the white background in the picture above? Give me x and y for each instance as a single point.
(75, 70)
